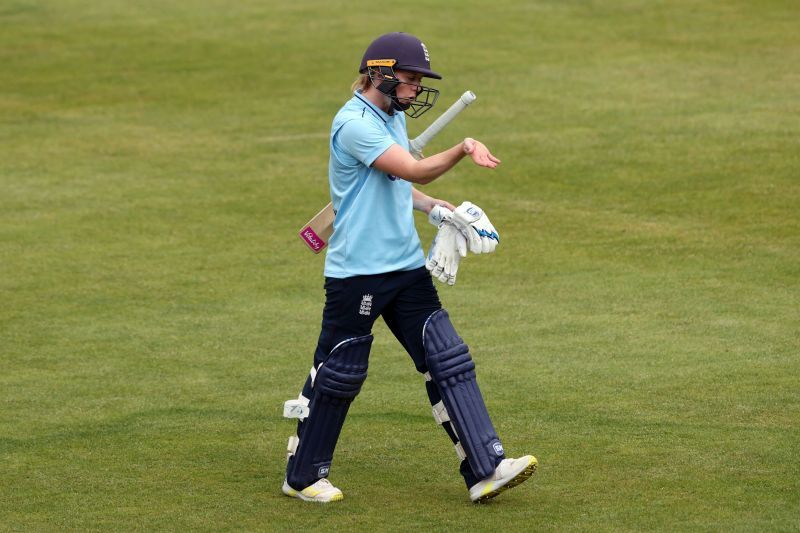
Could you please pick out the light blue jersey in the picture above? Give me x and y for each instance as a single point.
(374, 229)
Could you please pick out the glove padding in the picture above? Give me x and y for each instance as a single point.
(446, 251)
(475, 225)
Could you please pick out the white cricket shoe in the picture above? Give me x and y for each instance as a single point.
(508, 474)
(322, 491)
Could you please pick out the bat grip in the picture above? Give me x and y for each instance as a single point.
(417, 144)
(415, 148)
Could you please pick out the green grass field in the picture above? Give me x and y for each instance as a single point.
(638, 329)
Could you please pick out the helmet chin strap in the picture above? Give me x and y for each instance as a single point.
(387, 84)
(396, 104)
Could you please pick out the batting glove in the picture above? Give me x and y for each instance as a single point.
(439, 214)
(477, 228)
(445, 254)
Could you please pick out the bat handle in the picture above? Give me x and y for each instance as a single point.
(416, 145)
(468, 97)
(415, 149)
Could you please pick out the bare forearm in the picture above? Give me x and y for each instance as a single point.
(398, 162)
(424, 203)
(432, 167)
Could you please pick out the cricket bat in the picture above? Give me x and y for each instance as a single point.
(317, 232)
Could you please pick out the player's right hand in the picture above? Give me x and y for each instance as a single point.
(479, 153)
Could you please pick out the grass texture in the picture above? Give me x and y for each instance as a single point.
(637, 329)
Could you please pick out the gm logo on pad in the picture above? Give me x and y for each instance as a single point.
(324, 470)
(498, 448)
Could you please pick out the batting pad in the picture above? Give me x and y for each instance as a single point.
(338, 381)
(453, 370)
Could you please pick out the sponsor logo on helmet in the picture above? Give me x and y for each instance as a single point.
(383, 62)
(425, 50)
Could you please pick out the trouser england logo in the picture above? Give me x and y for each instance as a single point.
(366, 305)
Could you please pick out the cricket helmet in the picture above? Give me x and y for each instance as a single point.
(400, 51)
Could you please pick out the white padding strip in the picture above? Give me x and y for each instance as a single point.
(313, 375)
(428, 376)
(440, 413)
(291, 446)
(460, 451)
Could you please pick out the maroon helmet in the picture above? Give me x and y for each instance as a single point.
(400, 51)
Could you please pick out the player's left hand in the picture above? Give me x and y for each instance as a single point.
(445, 254)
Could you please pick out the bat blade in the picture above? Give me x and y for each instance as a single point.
(317, 231)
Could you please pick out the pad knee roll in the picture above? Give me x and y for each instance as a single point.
(345, 369)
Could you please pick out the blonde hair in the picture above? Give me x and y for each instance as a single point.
(361, 83)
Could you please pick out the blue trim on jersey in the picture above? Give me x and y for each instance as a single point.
(370, 107)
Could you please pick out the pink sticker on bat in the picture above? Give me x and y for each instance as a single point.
(313, 240)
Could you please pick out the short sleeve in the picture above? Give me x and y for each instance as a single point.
(363, 140)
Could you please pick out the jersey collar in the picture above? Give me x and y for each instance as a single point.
(380, 113)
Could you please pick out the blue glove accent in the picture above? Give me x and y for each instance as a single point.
(483, 233)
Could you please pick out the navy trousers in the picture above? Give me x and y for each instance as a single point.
(405, 300)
